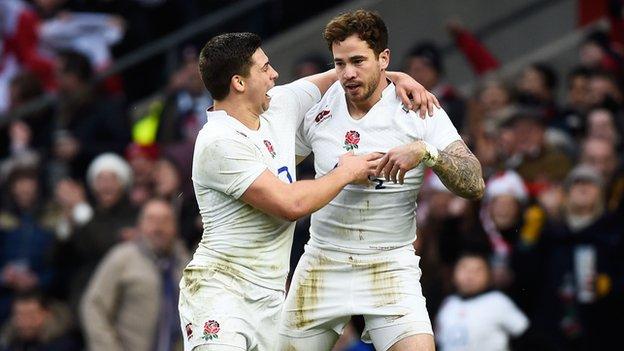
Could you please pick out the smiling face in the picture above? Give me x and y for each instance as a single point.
(259, 81)
(359, 69)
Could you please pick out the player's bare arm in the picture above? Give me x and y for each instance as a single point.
(406, 87)
(293, 201)
(460, 171)
(456, 165)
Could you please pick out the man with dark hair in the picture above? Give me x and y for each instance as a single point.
(360, 259)
(243, 173)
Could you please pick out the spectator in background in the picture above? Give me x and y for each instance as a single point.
(601, 155)
(571, 118)
(184, 110)
(88, 124)
(38, 325)
(26, 238)
(19, 48)
(539, 164)
(603, 124)
(142, 160)
(131, 301)
(597, 53)
(424, 64)
(311, 64)
(581, 296)
(168, 186)
(106, 224)
(476, 317)
(536, 88)
(604, 88)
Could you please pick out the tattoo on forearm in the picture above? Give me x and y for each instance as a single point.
(460, 171)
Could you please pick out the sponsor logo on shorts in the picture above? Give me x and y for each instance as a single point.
(189, 331)
(211, 329)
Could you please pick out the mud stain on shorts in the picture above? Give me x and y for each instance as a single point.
(385, 285)
(307, 294)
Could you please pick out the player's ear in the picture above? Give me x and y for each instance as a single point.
(237, 83)
(384, 59)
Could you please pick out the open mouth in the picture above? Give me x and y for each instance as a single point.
(352, 87)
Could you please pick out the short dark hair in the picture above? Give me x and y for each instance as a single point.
(224, 56)
(430, 52)
(548, 74)
(368, 25)
(32, 295)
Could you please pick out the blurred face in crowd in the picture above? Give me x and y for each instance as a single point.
(505, 211)
(591, 55)
(532, 83)
(108, 188)
(529, 136)
(583, 196)
(600, 154)
(494, 97)
(358, 68)
(142, 169)
(28, 319)
(166, 178)
(157, 224)
(472, 275)
(602, 87)
(24, 191)
(420, 69)
(601, 125)
(578, 92)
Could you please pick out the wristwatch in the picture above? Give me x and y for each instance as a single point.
(431, 154)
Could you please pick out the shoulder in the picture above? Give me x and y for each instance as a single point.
(327, 105)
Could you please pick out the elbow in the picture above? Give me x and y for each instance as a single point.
(294, 212)
(479, 191)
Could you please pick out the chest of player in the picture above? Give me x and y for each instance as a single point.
(378, 131)
(276, 153)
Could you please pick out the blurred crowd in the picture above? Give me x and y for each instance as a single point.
(98, 217)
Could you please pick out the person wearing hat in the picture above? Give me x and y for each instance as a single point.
(581, 297)
(105, 223)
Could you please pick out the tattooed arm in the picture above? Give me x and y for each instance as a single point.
(460, 171)
(456, 166)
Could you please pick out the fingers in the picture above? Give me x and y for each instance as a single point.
(401, 176)
(382, 163)
(405, 99)
(435, 100)
(423, 105)
(387, 169)
(393, 172)
(373, 156)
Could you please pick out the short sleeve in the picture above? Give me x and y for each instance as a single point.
(440, 131)
(229, 166)
(512, 319)
(295, 99)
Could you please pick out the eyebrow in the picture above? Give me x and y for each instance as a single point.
(352, 58)
(265, 65)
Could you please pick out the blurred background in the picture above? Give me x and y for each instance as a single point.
(101, 101)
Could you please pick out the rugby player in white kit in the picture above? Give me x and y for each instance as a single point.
(360, 259)
(243, 173)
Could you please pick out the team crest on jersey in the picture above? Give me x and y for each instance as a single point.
(323, 115)
(189, 331)
(269, 147)
(211, 330)
(352, 138)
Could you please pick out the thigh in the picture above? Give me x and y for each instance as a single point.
(213, 312)
(319, 298)
(419, 342)
(323, 341)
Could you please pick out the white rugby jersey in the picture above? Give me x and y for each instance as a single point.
(365, 219)
(238, 238)
(481, 323)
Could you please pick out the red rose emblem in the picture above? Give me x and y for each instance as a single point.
(352, 138)
(269, 147)
(211, 327)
